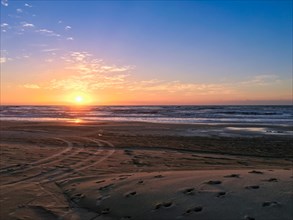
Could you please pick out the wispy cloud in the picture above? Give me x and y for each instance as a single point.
(28, 5)
(4, 2)
(86, 73)
(89, 73)
(83, 62)
(262, 80)
(19, 10)
(69, 38)
(67, 28)
(50, 50)
(156, 85)
(28, 25)
(3, 59)
(47, 32)
(4, 25)
(31, 86)
(94, 74)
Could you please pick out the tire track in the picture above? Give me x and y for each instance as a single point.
(68, 170)
(49, 176)
(73, 152)
(41, 161)
(45, 161)
(84, 164)
(75, 167)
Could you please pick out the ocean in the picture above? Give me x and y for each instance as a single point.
(262, 115)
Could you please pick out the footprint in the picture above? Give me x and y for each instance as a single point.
(271, 180)
(100, 181)
(272, 203)
(252, 187)
(128, 152)
(188, 191)
(248, 218)
(158, 176)
(164, 204)
(256, 172)
(214, 182)
(221, 194)
(106, 187)
(123, 178)
(105, 211)
(78, 197)
(130, 194)
(233, 176)
(67, 191)
(195, 209)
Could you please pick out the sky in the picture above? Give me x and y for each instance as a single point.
(146, 52)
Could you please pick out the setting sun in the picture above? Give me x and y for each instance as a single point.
(79, 99)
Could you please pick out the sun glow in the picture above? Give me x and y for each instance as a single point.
(79, 99)
(76, 99)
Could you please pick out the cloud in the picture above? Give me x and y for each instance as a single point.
(114, 68)
(3, 60)
(31, 86)
(89, 73)
(156, 85)
(50, 50)
(19, 10)
(28, 25)
(67, 28)
(84, 63)
(4, 2)
(4, 25)
(69, 38)
(261, 80)
(48, 33)
(28, 5)
(86, 73)
(77, 57)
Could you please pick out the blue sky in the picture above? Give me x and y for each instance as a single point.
(205, 43)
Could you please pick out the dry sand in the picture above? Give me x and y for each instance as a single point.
(111, 170)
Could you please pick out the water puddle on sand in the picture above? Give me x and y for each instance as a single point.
(261, 130)
(250, 129)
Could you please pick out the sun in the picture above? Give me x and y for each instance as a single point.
(79, 99)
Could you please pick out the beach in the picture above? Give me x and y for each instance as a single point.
(137, 170)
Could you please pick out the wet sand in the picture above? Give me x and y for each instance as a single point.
(119, 170)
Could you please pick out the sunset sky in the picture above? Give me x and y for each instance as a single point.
(140, 52)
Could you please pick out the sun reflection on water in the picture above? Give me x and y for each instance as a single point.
(77, 120)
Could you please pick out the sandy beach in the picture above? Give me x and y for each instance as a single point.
(132, 170)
